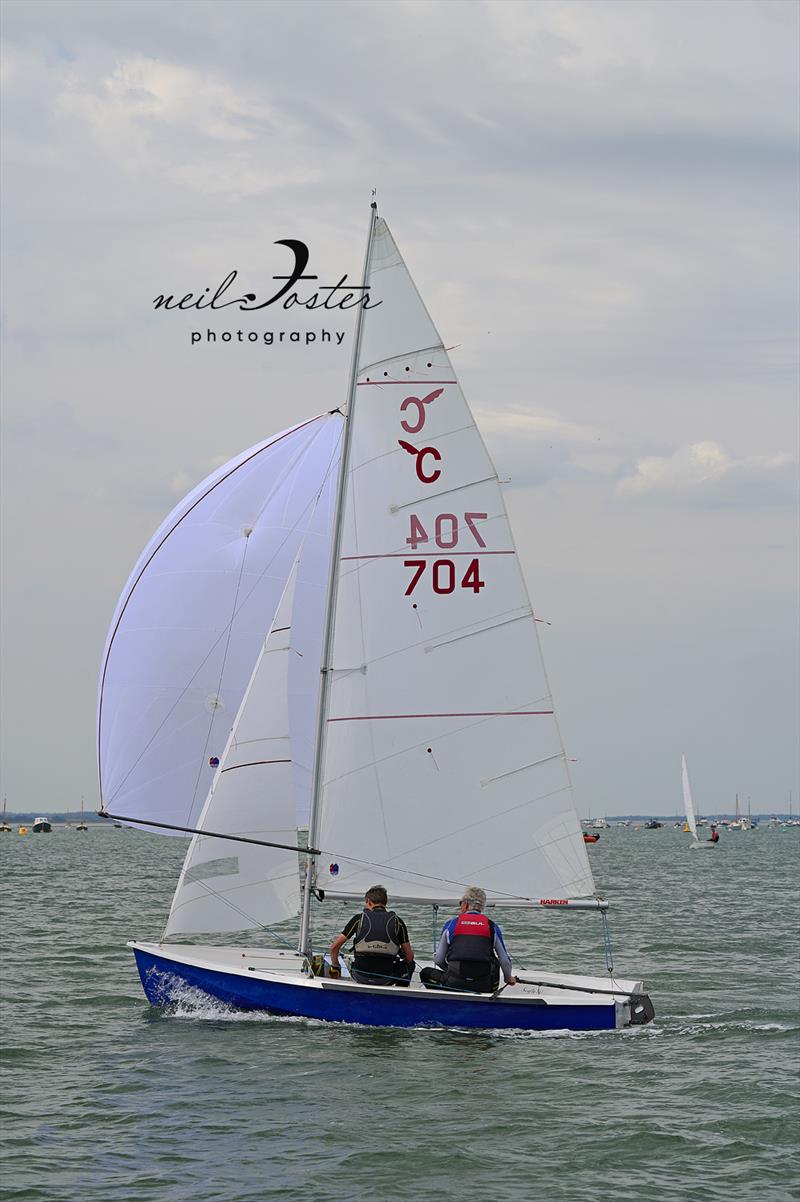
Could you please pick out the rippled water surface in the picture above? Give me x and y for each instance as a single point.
(106, 1099)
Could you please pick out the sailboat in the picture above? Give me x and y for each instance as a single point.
(691, 821)
(5, 829)
(739, 822)
(333, 631)
(81, 825)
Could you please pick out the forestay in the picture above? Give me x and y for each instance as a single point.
(443, 763)
(194, 614)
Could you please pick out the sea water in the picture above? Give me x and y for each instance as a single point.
(106, 1099)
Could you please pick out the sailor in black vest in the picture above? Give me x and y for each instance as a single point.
(471, 951)
(382, 952)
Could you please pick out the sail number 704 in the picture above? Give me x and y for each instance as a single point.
(443, 575)
(447, 530)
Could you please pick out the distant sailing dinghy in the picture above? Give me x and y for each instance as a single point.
(691, 820)
(334, 629)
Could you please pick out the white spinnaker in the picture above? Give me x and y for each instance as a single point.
(691, 821)
(443, 761)
(192, 617)
(308, 618)
(230, 886)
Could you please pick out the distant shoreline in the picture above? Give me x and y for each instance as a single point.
(71, 816)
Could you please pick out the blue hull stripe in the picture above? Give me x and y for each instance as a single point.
(395, 1007)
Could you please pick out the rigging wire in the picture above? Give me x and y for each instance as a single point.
(607, 943)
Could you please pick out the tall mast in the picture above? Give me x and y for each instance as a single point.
(333, 581)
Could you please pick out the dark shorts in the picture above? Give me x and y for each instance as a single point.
(445, 978)
(398, 973)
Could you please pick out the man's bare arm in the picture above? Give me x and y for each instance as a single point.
(338, 942)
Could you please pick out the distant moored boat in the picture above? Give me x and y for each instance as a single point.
(42, 826)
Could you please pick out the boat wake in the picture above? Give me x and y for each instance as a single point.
(188, 1002)
(729, 1026)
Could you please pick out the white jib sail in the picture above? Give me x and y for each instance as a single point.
(443, 761)
(192, 618)
(229, 886)
(691, 821)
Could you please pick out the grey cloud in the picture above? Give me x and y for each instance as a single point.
(705, 474)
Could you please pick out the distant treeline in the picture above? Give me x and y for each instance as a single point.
(91, 816)
(706, 815)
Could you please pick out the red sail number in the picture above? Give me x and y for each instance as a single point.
(446, 530)
(443, 576)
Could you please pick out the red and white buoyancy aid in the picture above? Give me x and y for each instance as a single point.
(471, 949)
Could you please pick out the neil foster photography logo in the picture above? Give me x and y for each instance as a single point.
(312, 296)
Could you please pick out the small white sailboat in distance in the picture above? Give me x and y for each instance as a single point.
(81, 825)
(691, 820)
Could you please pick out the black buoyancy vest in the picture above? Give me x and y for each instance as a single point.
(471, 953)
(376, 946)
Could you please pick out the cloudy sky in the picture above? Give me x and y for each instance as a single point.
(598, 201)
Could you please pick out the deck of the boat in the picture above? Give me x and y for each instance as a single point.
(289, 966)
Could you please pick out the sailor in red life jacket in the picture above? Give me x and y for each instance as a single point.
(471, 951)
(714, 835)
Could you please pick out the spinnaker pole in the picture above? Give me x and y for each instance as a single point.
(333, 581)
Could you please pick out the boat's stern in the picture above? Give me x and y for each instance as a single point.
(638, 1010)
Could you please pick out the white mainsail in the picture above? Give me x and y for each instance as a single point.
(691, 821)
(443, 764)
(232, 886)
(193, 616)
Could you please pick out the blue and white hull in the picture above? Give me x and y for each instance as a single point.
(279, 983)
